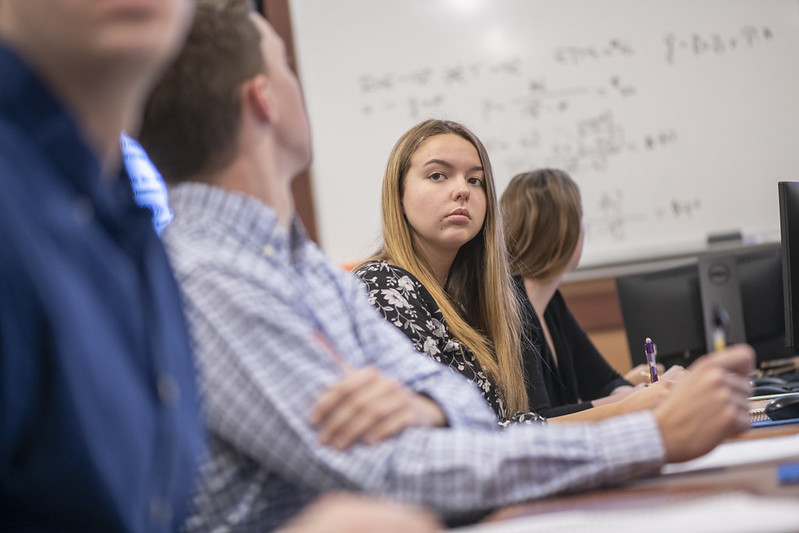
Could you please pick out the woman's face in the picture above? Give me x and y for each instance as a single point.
(444, 198)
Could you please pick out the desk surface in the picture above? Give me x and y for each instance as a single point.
(757, 479)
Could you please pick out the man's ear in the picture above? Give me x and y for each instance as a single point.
(257, 96)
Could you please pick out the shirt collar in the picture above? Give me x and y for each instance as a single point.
(239, 216)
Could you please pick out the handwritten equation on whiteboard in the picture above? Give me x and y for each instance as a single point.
(533, 116)
(608, 216)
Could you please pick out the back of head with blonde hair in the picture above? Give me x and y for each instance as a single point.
(478, 301)
(542, 213)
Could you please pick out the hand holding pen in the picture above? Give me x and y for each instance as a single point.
(639, 374)
(709, 404)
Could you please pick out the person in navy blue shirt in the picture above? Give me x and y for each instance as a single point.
(100, 427)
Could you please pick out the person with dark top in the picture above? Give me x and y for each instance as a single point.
(565, 372)
(579, 374)
(100, 427)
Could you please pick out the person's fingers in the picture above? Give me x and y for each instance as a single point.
(742, 421)
(724, 395)
(741, 390)
(660, 384)
(707, 406)
(358, 408)
(735, 417)
(371, 410)
(648, 397)
(638, 374)
(389, 426)
(674, 373)
(332, 397)
(740, 385)
(336, 394)
(367, 406)
(739, 358)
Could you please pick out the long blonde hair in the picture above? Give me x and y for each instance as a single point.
(478, 301)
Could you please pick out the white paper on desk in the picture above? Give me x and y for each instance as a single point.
(741, 452)
(726, 513)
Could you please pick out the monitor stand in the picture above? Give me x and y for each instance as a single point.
(719, 287)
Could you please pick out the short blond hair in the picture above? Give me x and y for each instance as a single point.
(542, 213)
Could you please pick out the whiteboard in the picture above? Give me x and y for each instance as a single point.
(676, 117)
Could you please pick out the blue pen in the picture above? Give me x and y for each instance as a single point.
(649, 348)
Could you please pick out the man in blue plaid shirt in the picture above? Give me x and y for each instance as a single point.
(276, 327)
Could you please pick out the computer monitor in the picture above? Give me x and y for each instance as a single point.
(789, 232)
(667, 305)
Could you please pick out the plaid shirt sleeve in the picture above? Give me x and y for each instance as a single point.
(263, 371)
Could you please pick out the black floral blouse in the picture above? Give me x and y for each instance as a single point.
(406, 303)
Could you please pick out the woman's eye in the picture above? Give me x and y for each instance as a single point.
(476, 181)
(436, 176)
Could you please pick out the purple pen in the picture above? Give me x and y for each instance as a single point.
(649, 348)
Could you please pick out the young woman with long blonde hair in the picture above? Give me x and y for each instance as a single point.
(441, 275)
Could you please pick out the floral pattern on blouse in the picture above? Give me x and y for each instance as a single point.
(406, 303)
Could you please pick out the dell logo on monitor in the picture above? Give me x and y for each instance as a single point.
(719, 273)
